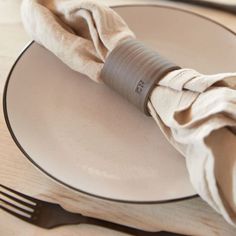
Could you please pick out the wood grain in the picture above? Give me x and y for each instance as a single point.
(193, 217)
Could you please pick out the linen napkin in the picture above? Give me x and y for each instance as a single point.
(197, 113)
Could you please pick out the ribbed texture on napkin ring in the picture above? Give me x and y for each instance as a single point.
(132, 70)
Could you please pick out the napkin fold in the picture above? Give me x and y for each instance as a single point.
(80, 33)
(196, 112)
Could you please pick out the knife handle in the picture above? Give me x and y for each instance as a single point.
(227, 7)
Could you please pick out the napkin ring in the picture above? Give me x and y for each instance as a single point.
(133, 70)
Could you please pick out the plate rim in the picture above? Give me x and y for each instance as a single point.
(56, 179)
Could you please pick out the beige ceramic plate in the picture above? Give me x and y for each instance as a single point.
(90, 139)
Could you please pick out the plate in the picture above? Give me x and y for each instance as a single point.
(88, 138)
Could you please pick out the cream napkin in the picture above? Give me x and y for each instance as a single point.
(196, 112)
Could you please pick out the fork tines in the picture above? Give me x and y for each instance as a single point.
(14, 205)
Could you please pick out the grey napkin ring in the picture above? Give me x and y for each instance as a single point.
(133, 70)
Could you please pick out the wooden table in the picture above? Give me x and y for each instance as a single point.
(193, 217)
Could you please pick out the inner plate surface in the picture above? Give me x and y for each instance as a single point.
(89, 138)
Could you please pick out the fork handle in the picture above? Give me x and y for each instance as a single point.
(125, 229)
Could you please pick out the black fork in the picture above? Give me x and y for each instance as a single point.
(50, 215)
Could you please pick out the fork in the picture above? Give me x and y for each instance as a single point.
(50, 215)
